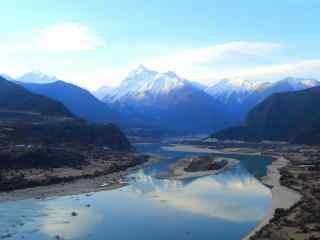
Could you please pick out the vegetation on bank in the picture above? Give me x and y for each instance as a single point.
(302, 220)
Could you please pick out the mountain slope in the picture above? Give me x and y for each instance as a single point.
(290, 116)
(164, 100)
(79, 101)
(143, 83)
(16, 98)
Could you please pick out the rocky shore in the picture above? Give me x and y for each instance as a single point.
(302, 220)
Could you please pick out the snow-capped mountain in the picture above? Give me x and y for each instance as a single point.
(294, 84)
(36, 77)
(238, 91)
(142, 82)
(166, 101)
(230, 90)
(238, 97)
(103, 91)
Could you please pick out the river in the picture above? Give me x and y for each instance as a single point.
(224, 206)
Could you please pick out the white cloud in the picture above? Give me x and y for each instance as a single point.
(65, 37)
(305, 68)
(261, 61)
(213, 54)
(68, 37)
(271, 72)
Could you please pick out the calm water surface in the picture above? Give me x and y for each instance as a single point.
(223, 206)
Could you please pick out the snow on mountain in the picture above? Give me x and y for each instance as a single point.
(226, 86)
(36, 77)
(295, 83)
(103, 91)
(230, 90)
(143, 81)
(226, 89)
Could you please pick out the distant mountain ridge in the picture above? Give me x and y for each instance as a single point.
(288, 116)
(16, 98)
(36, 77)
(240, 97)
(165, 100)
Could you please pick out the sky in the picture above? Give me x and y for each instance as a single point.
(97, 42)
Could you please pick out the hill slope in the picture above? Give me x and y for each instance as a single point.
(79, 101)
(291, 116)
(16, 98)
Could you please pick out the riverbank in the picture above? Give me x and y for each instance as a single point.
(302, 219)
(295, 180)
(81, 185)
(282, 197)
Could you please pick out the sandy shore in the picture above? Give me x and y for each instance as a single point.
(189, 148)
(79, 186)
(282, 197)
(203, 149)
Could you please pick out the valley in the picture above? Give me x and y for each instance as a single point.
(159, 120)
(59, 144)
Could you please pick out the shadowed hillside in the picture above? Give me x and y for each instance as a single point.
(291, 116)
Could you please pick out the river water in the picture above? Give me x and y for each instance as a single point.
(224, 206)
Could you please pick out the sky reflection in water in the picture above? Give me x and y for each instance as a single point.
(224, 206)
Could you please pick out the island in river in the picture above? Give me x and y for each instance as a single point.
(197, 166)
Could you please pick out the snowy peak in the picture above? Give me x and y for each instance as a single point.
(297, 83)
(36, 77)
(142, 81)
(140, 73)
(227, 87)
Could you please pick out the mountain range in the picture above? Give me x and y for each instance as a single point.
(166, 101)
(78, 100)
(153, 100)
(239, 97)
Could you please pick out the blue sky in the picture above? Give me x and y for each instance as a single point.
(94, 43)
